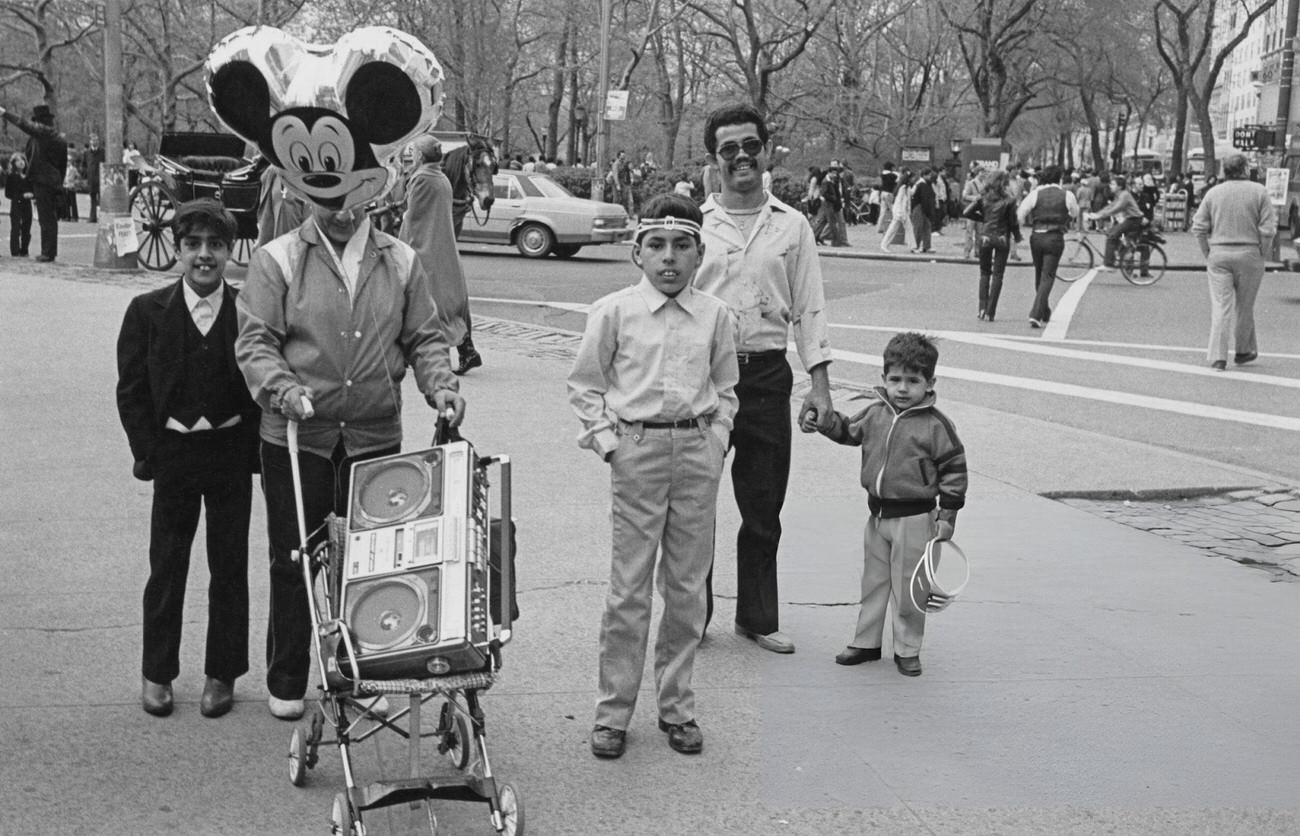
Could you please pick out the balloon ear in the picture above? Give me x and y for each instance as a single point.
(241, 99)
(383, 103)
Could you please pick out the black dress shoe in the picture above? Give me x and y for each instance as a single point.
(45, 258)
(684, 737)
(607, 742)
(857, 655)
(218, 697)
(469, 360)
(908, 665)
(156, 698)
(1242, 358)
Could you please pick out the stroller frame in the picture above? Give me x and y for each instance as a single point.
(347, 700)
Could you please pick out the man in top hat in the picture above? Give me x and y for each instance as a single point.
(47, 163)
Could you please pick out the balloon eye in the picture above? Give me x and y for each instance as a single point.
(330, 157)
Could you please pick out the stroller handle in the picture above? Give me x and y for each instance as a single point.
(297, 487)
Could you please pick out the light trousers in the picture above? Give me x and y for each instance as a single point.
(891, 549)
(665, 493)
(1235, 273)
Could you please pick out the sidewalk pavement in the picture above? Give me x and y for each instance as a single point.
(1094, 678)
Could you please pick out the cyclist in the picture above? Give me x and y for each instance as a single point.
(1131, 220)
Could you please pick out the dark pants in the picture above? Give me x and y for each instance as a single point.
(760, 471)
(1112, 240)
(193, 471)
(324, 490)
(921, 228)
(94, 206)
(1045, 248)
(47, 215)
(20, 226)
(993, 264)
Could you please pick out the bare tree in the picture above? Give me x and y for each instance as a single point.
(48, 30)
(1184, 39)
(998, 40)
(761, 38)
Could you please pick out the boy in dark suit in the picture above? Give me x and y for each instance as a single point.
(192, 427)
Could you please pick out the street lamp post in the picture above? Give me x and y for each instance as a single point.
(580, 123)
(602, 124)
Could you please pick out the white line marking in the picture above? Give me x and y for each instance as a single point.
(1189, 408)
(1066, 306)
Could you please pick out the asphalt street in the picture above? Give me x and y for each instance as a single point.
(1095, 677)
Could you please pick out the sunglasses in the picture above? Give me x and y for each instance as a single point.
(751, 146)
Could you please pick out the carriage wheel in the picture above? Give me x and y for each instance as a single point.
(343, 819)
(297, 757)
(457, 736)
(152, 211)
(511, 807)
(243, 251)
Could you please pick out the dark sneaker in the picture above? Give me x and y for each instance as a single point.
(684, 737)
(1243, 357)
(469, 360)
(607, 742)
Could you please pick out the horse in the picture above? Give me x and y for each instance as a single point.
(470, 167)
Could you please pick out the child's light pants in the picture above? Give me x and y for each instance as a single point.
(891, 549)
(665, 492)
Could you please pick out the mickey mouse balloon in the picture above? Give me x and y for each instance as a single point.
(327, 115)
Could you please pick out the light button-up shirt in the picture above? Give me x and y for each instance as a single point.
(649, 357)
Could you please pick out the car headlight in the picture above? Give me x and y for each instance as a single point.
(609, 223)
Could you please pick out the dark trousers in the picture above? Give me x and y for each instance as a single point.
(47, 215)
(94, 206)
(921, 228)
(1112, 240)
(993, 264)
(1045, 248)
(192, 471)
(20, 226)
(324, 490)
(760, 470)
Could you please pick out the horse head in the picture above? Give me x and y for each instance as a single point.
(481, 164)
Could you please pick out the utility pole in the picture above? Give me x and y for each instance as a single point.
(602, 124)
(114, 204)
(1288, 69)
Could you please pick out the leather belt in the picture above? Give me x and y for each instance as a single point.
(683, 424)
(747, 357)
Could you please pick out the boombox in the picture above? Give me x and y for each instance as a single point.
(415, 585)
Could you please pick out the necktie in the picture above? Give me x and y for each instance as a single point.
(203, 316)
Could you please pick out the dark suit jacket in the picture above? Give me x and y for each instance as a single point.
(47, 153)
(150, 359)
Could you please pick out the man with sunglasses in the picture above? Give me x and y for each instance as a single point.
(761, 260)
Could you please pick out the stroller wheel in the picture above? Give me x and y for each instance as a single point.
(456, 736)
(297, 757)
(511, 807)
(343, 821)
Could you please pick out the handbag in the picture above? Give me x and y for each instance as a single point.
(974, 212)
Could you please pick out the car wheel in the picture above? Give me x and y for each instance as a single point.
(567, 250)
(534, 240)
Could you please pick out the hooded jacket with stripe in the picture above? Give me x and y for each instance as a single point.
(910, 458)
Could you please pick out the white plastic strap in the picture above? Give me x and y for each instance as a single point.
(938, 598)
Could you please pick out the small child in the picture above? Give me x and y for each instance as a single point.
(910, 455)
(654, 385)
(19, 191)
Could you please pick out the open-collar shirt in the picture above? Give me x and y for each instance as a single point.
(771, 279)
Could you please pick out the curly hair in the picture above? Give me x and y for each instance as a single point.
(911, 352)
(736, 114)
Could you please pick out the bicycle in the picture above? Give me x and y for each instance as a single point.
(1081, 254)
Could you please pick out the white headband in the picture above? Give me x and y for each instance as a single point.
(670, 223)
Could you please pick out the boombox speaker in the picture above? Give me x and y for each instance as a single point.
(416, 587)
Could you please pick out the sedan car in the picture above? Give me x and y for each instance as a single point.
(540, 217)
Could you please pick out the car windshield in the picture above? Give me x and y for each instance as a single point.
(543, 186)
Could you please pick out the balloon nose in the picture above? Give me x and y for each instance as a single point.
(322, 181)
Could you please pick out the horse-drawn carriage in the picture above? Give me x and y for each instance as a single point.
(191, 165)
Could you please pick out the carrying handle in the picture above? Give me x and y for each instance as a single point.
(443, 431)
(507, 543)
